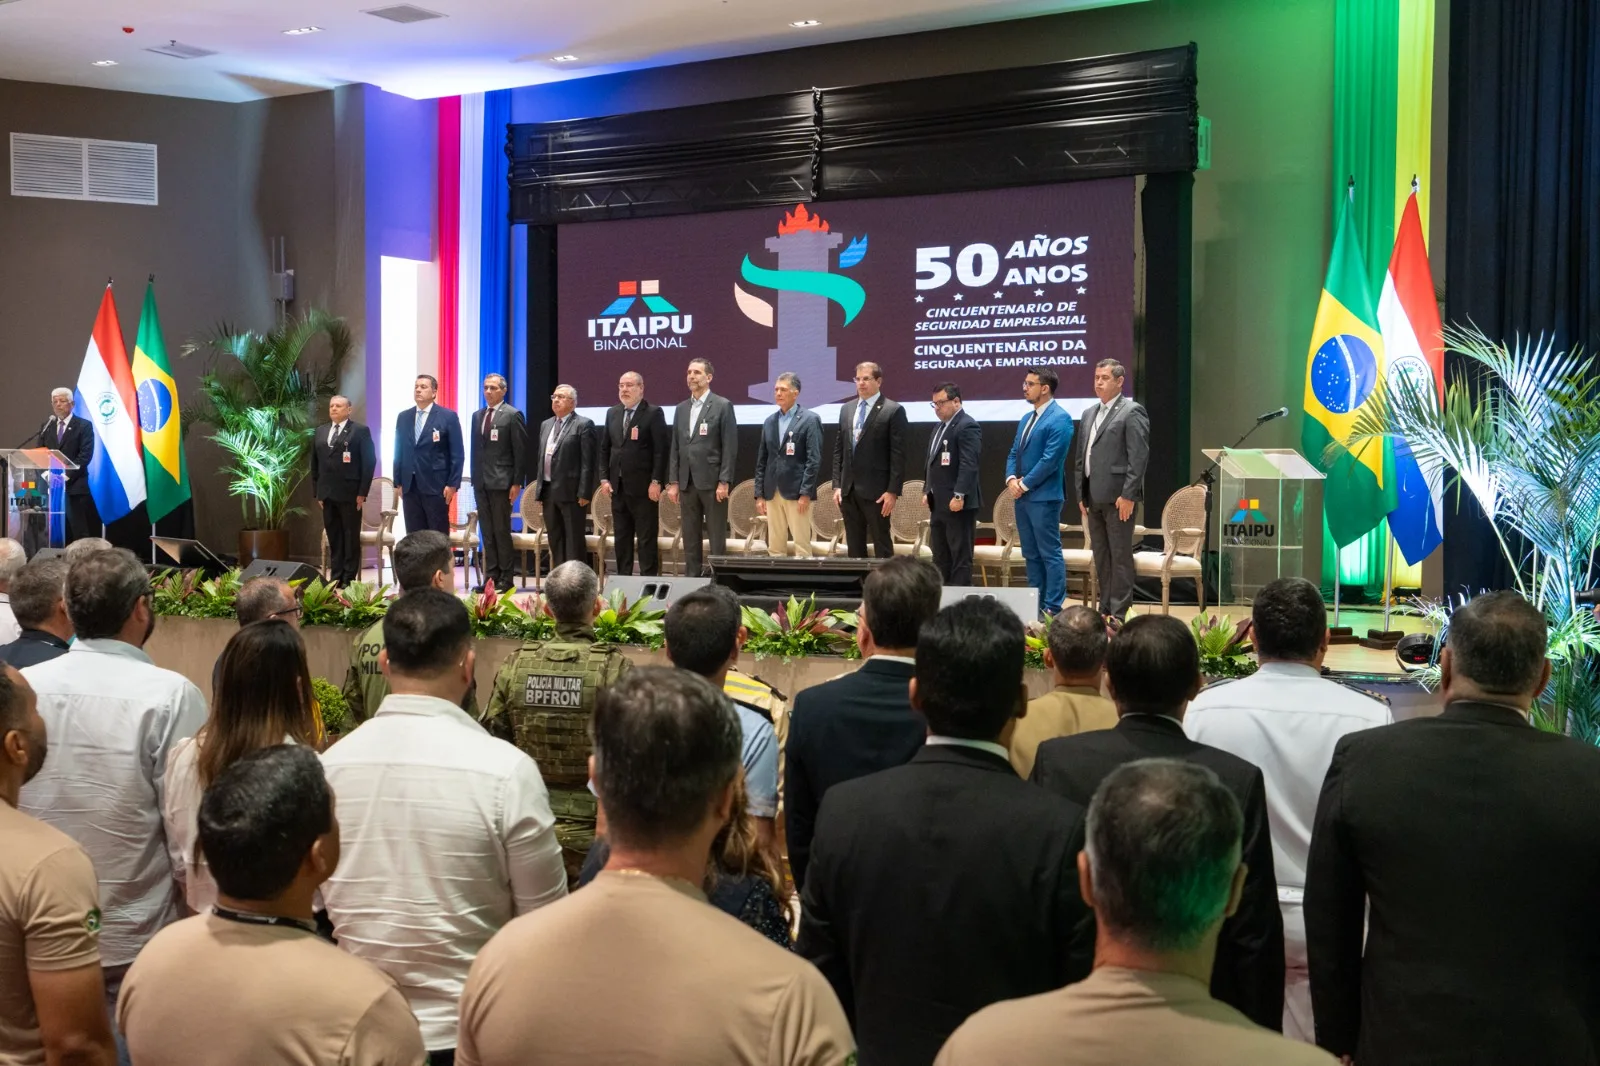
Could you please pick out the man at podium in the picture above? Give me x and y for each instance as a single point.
(73, 437)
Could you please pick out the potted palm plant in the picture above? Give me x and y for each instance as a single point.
(262, 394)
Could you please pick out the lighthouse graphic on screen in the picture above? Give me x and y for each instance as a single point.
(804, 283)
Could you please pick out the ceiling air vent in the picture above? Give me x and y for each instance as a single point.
(77, 168)
(181, 51)
(404, 13)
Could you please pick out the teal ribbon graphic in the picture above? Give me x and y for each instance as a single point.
(845, 292)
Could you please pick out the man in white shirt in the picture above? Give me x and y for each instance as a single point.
(1286, 719)
(113, 716)
(446, 831)
(12, 560)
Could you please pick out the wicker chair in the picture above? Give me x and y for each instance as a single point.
(464, 529)
(669, 535)
(827, 522)
(908, 522)
(604, 534)
(533, 537)
(1006, 551)
(377, 525)
(1183, 536)
(1081, 561)
(747, 530)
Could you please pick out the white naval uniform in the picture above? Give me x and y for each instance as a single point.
(1286, 719)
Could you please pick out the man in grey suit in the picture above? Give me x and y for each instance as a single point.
(1113, 449)
(566, 478)
(788, 463)
(499, 464)
(705, 443)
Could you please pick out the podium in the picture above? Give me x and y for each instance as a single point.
(1260, 518)
(36, 500)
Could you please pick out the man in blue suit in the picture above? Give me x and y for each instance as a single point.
(427, 459)
(1034, 472)
(788, 463)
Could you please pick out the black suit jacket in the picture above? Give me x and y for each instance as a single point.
(572, 469)
(842, 729)
(33, 647)
(499, 457)
(1249, 970)
(1473, 841)
(631, 463)
(77, 444)
(877, 464)
(331, 477)
(963, 442)
(936, 889)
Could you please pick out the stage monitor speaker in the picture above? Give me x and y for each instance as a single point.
(661, 592)
(188, 554)
(279, 568)
(835, 582)
(1024, 602)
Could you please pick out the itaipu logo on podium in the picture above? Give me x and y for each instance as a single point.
(664, 327)
(1249, 523)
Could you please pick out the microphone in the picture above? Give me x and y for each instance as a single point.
(1270, 415)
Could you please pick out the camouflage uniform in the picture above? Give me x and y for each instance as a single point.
(364, 683)
(544, 694)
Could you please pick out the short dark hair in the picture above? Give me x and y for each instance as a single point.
(1153, 665)
(705, 365)
(418, 557)
(702, 629)
(1078, 640)
(969, 669)
(1498, 641)
(261, 598)
(951, 390)
(1047, 377)
(426, 631)
(1118, 371)
(900, 595)
(872, 368)
(103, 588)
(13, 705)
(37, 589)
(259, 818)
(1163, 838)
(431, 380)
(666, 742)
(1288, 620)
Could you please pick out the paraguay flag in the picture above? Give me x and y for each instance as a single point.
(1408, 316)
(105, 399)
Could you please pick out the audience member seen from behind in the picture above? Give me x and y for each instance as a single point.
(1153, 670)
(693, 985)
(447, 831)
(944, 885)
(263, 698)
(1162, 871)
(12, 559)
(1077, 654)
(252, 982)
(115, 717)
(38, 599)
(52, 994)
(85, 546)
(1454, 868)
(421, 560)
(862, 721)
(1286, 719)
(704, 634)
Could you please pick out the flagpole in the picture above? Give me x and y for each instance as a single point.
(1336, 586)
(1388, 578)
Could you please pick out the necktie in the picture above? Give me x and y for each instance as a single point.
(555, 442)
(61, 429)
(627, 417)
(694, 414)
(333, 434)
(488, 417)
(861, 422)
(938, 435)
(1028, 432)
(1100, 419)
(422, 420)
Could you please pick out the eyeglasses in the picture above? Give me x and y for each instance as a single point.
(936, 404)
(287, 613)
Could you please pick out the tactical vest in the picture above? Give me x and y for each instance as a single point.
(549, 690)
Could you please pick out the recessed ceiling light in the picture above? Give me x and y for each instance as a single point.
(303, 30)
(565, 59)
(805, 24)
(104, 63)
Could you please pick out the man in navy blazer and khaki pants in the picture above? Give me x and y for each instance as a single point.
(428, 456)
(788, 463)
(1034, 472)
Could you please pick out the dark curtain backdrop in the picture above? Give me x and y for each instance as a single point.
(1524, 202)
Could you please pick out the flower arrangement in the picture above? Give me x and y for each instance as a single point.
(798, 629)
(1224, 647)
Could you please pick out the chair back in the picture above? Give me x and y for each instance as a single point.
(1005, 520)
(1185, 509)
(532, 513)
(825, 514)
(466, 506)
(600, 511)
(669, 516)
(910, 511)
(379, 499)
(742, 507)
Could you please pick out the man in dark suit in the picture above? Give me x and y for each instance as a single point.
(1108, 467)
(954, 495)
(788, 464)
(499, 466)
(428, 457)
(705, 444)
(869, 463)
(565, 475)
(633, 468)
(74, 438)
(1454, 868)
(342, 462)
(947, 884)
(1153, 670)
(860, 722)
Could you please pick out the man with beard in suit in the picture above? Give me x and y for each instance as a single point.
(633, 467)
(342, 462)
(869, 463)
(566, 481)
(499, 463)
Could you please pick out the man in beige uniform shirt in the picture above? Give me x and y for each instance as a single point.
(52, 996)
(1161, 869)
(638, 967)
(1077, 653)
(252, 982)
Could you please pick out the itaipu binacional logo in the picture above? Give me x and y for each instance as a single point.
(804, 283)
(664, 327)
(1249, 523)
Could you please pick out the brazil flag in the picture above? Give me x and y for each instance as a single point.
(1343, 369)
(166, 472)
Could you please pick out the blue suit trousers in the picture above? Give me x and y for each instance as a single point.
(1039, 523)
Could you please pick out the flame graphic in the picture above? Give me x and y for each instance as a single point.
(801, 219)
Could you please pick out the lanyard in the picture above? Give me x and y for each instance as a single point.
(262, 919)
